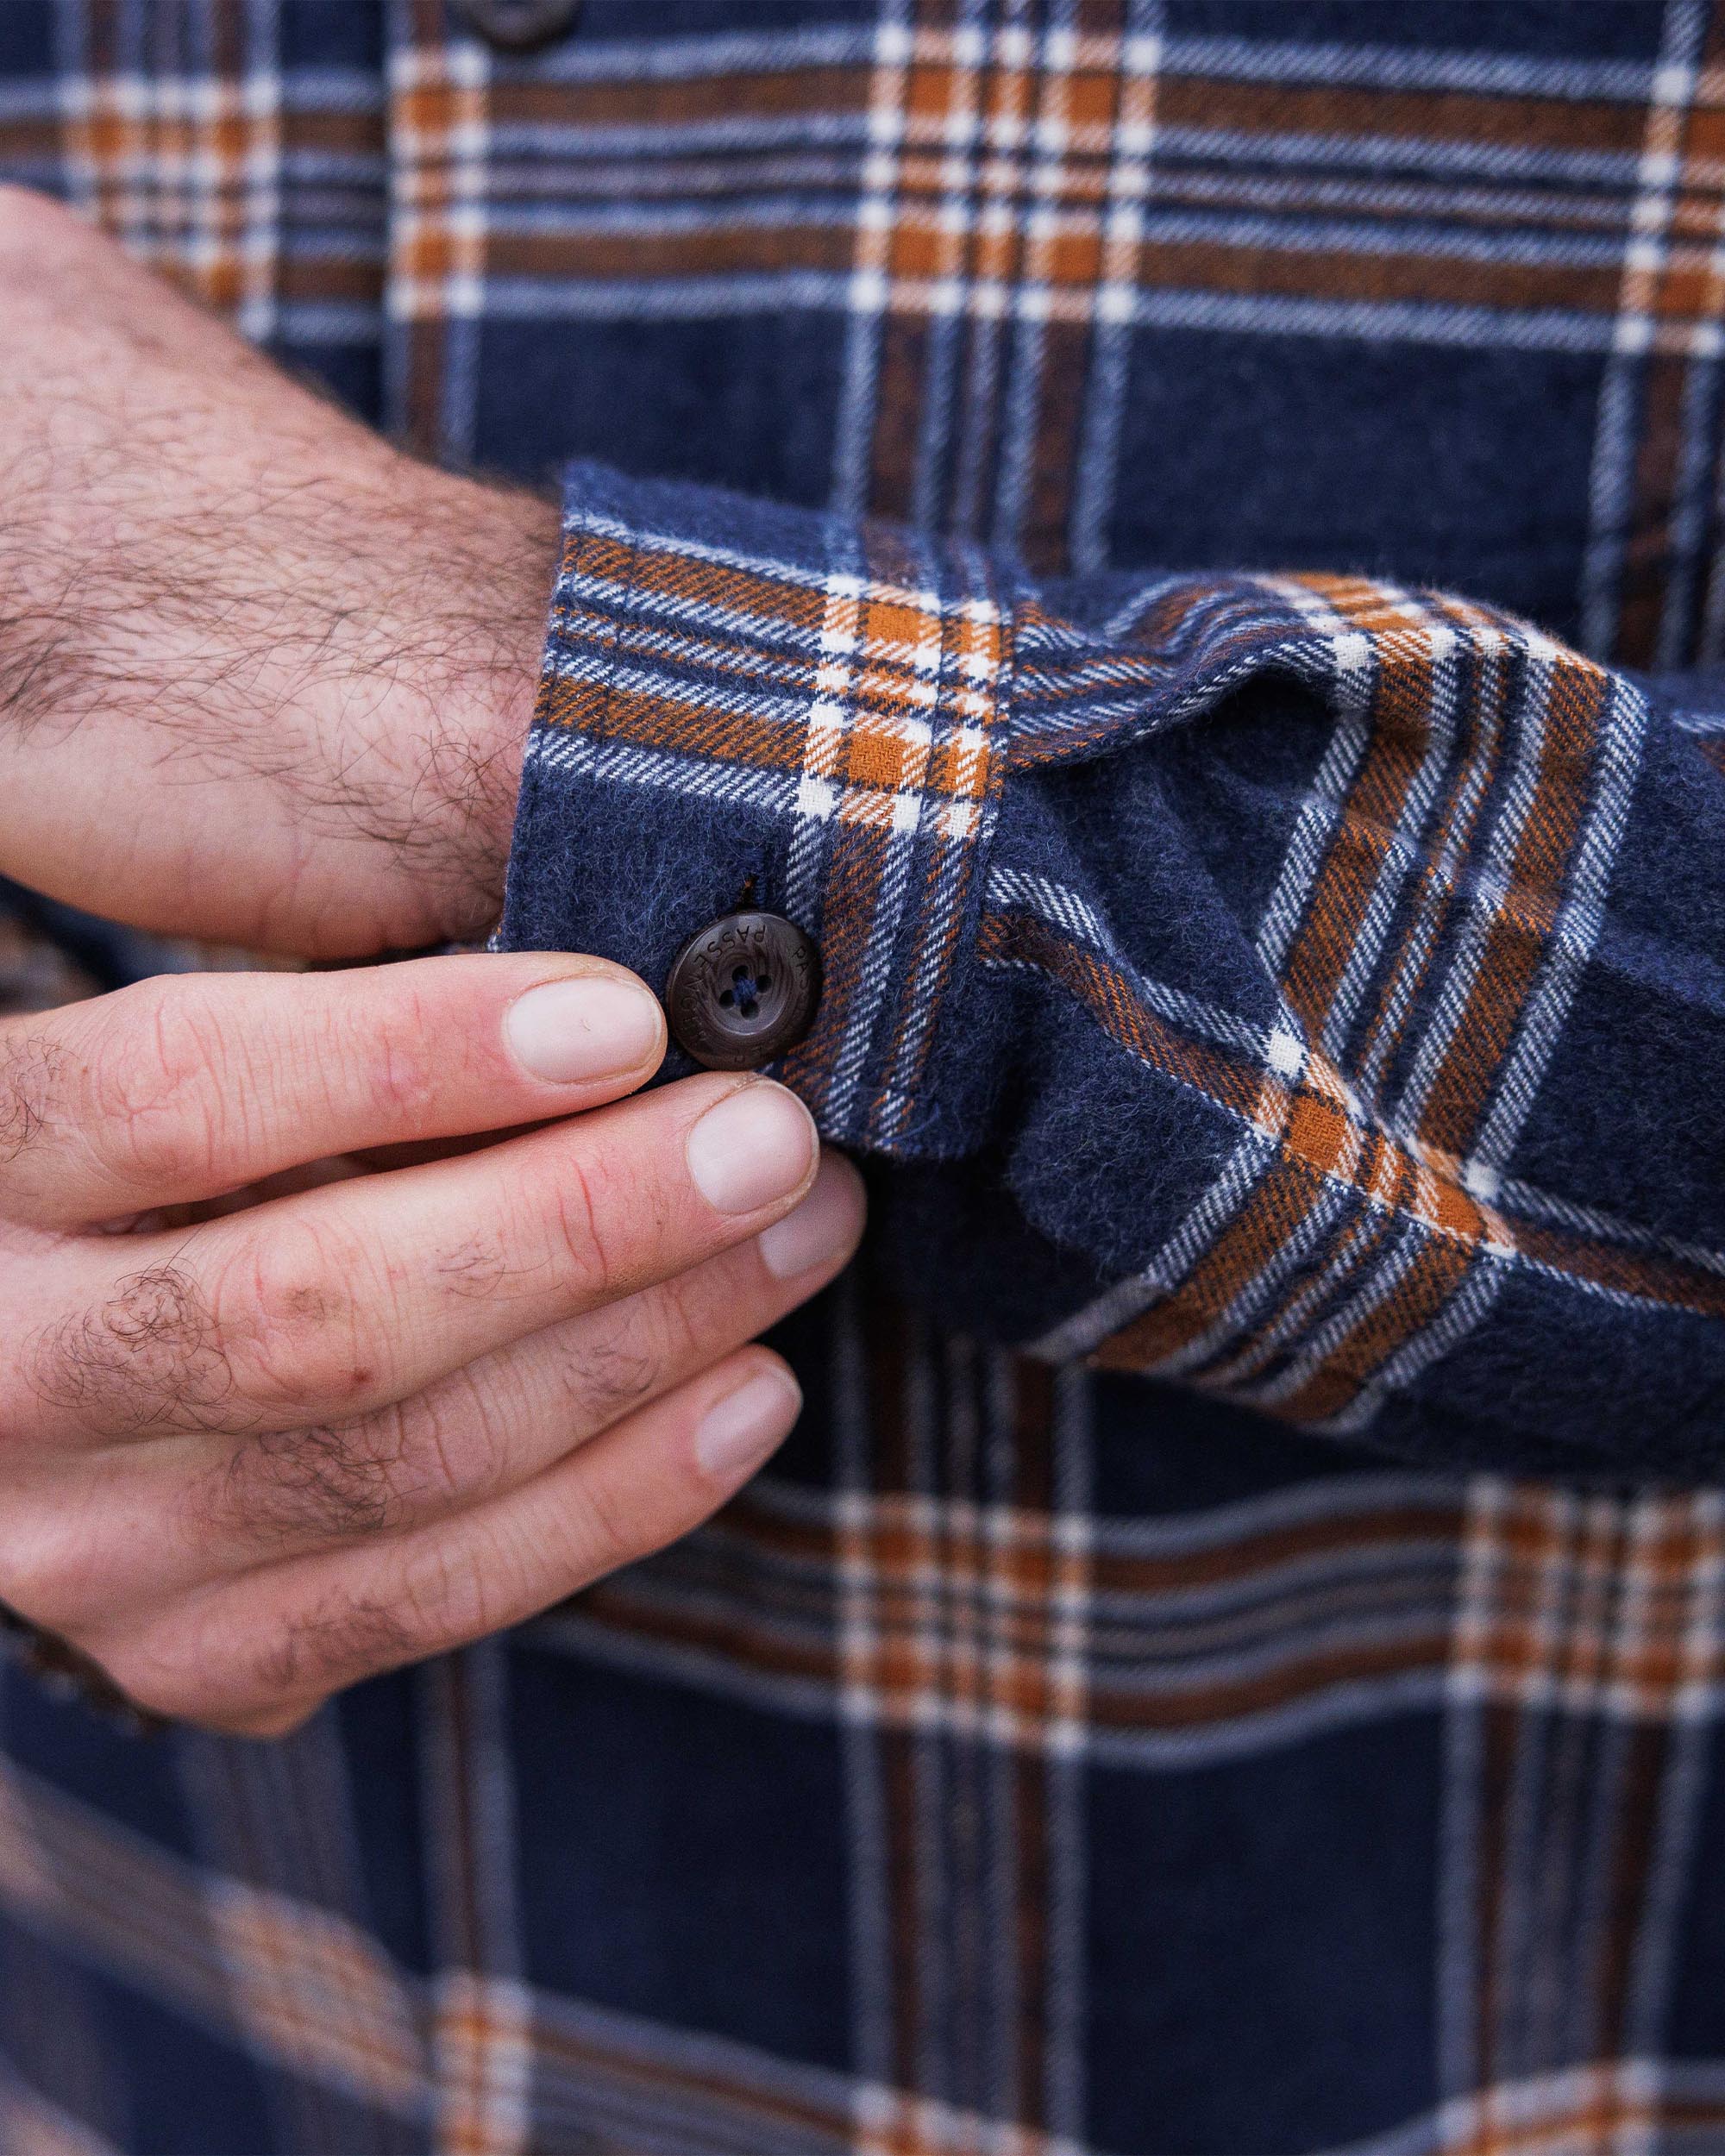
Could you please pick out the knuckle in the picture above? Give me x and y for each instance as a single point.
(332, 1644)
(584, 1251)
(401, 1057)
(197, 1665)
(618, 1365)
(455, 1444)
(636, 1348)
(301, 1318)
(389, 1049)
(267, 1725)
(699, 1315)
(315, 1484)
(158, 1088)
(477, 1268)
(432, 1595)
(335, 1482)
(150, 1355)
(442, 1593)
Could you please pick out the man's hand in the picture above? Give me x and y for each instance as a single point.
(247, 1459)
(262, 678)
(265, 679)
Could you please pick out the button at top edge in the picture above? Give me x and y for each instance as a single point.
(518, 26)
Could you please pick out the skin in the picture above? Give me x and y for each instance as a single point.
(336, 1337)
(262, 678)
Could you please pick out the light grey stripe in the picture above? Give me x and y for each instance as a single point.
(305, 89)
(863, 295)
(942, 865)
(1431, 154)
(1478, 1290)
(674, 60)
(773, 568)
(1527, 717)
(1658, 176)
(1683, 1791)
(1352, 677)
(1543, 1205)
(1237, 1735)
(1259, 1607)
(686, 298)
(1460, 1948)
(873, 979)
(1534, 1878)
(1274, 1624)
(570, 149)
(1442, 881)
(755, 659)
(871, 1942)
(1404, 67)
(1069, 912)
(1331, 1499)
(809, 206)
(733, 2089)
(1436, 158)
(474, 1914)
(615, 763)
(1622, 728)
(1402, 858)
(1384, 67)
(1384, 1274)
(1692, 487)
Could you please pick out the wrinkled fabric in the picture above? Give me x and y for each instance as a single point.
(1327, 973)
(1182, 542)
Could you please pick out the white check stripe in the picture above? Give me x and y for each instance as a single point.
(1672, 92)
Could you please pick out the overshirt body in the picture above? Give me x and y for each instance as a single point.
(1182, 542)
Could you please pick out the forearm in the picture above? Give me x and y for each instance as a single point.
(264, 679)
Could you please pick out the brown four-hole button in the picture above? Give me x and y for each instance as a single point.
(743, 991)
(516, 25)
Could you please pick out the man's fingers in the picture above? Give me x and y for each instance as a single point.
(222, 1507)
(500, 1421)
(323, 1307)
(258, 1653)
(191, 1085)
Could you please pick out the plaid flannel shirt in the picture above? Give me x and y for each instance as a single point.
(1182, 539)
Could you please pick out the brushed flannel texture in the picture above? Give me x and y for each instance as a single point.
(1274, 1148)
(1182, 539)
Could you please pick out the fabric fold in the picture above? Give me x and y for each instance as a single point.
(1222, 968)
(763, 707)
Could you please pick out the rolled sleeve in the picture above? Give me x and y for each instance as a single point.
(745, 705)
(1300, 987)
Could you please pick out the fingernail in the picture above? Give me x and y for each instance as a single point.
(755, 1146)
(569, 1030)
(738, 1431)
(815, 1232)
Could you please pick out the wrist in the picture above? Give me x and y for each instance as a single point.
(462, 724)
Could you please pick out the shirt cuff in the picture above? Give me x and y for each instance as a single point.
(743, 705)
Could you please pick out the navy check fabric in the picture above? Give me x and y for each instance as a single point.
(1183, 540)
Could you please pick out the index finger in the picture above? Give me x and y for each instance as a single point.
(192, 1085)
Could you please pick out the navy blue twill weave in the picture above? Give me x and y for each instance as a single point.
(1183, 540)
